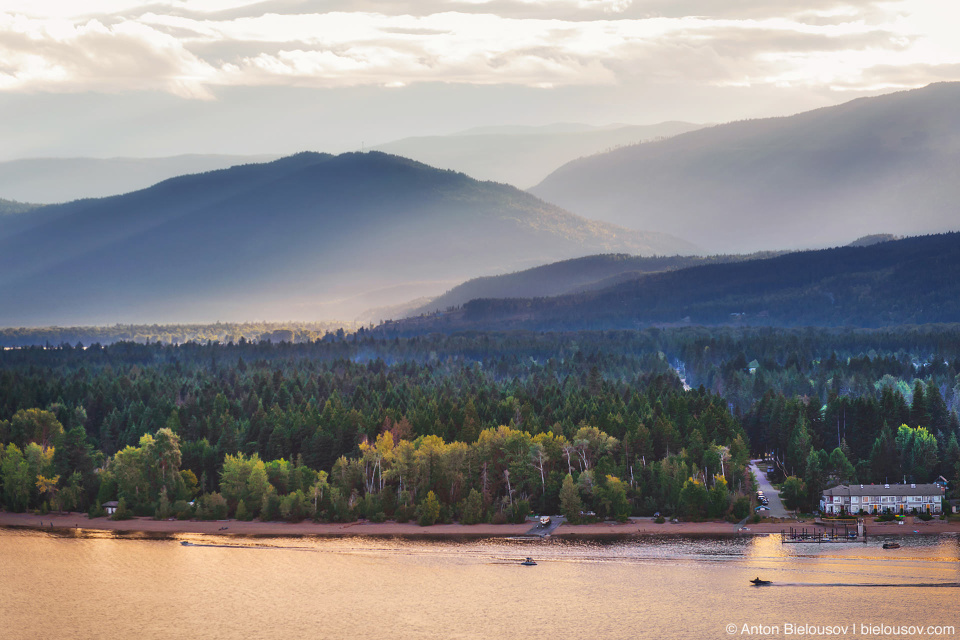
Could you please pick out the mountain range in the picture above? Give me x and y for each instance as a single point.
(523, 156)
(52, 180)
(909, 281)
(558, 278)
(307, 236)
(821, 178)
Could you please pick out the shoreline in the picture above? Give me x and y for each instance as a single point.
(635, 527)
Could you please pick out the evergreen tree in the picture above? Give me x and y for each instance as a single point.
(570, 504)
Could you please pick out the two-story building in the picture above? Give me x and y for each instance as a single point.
(882, 498)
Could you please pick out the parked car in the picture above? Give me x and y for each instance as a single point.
(544, 521)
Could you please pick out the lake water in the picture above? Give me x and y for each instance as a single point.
(91, 584)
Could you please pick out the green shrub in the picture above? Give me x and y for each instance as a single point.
(242, 512)
(429, 510)
(182, 510)
(122, 512)
(741, 508)
(518, 512)
(472, 508)
(270, 507)
(212, 506)
(96, 510)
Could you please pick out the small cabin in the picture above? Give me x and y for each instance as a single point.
(110, 507)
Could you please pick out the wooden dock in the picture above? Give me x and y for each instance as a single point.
(823, 534)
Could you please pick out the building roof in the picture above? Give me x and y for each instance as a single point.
(884, 490)
(110, 503)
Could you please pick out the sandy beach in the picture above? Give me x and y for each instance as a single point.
(636, 526)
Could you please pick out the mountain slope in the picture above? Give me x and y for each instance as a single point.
(49, 180)
(910, 281)
(12, 207)
(567, 276)
(304, 237)
(819, 178)
(524, 156)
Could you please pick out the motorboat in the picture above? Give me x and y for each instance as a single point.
(757, 582)
(529, 563)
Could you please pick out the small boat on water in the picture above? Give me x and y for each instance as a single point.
(185, 543)
(529, 563)
(891, 545)
(757, 582)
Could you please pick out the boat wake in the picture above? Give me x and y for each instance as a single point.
(245, 546)
(861, 585)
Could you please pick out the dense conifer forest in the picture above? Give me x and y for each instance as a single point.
(475, 427)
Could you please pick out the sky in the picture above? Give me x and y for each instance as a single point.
(131, 78)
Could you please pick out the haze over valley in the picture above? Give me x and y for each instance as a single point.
(373, 236)
(820, 178)
(308, 236)
(523, 156)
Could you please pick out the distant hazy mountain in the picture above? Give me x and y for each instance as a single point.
(523, 156)
(819, 178)
(311, 236)
(910, 281)
(49, 180)
(566, 276)
(14, 207)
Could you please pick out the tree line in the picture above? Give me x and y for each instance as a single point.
(826, 405)
(490, 434)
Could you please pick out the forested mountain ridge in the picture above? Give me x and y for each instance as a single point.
(909, 281)
(13, 207)
(568, 276)
(809, 180)
(310, 235)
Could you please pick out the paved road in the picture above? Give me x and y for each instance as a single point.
(777, 509)
(555, 521)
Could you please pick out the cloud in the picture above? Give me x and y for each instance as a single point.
(191, 48)
(60, 55)
(605, 6)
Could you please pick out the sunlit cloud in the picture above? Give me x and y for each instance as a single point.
(607, 6)
(190, 48)
(51, 55)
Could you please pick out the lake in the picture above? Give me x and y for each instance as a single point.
(99, 584)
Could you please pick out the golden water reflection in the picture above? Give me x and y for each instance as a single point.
(104, 585)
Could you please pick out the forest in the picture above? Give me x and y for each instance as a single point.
(477, 426)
